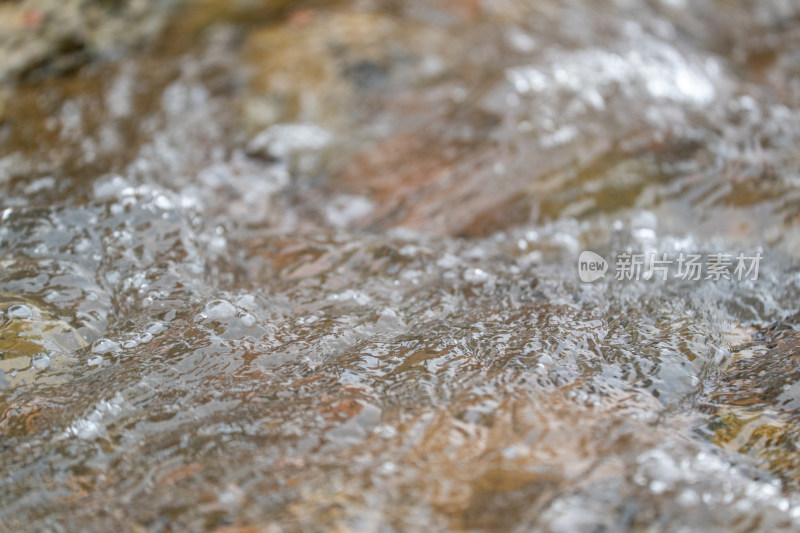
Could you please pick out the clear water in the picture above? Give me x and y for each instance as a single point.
(343, 295)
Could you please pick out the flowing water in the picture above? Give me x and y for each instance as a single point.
(314, 267)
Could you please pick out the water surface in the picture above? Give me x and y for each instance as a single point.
(315, 267)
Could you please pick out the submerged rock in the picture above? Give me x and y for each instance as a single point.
(44, 36)
(758, 401)
(326, 66)
(32, 340)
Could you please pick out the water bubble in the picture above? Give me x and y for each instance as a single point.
(39, 185)
(358, 297)
(218, 310)
(162, 202)
(40, 362)
(20, 312)
(387, 468)
(448, 261)
(345, 209)
(385, 431)
(232, 496)
(217, 244)
(282, 140)
(154, 328)
(688, 498)
(521, 40)
(105, 346)
(85, 429)
(476, 275)
(83, 246)
(389, 320)
(51, 296)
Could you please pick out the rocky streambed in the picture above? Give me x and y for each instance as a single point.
(314, 266)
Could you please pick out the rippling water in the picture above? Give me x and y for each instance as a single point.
(318, 270)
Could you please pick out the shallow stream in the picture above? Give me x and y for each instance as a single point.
(306, 266)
